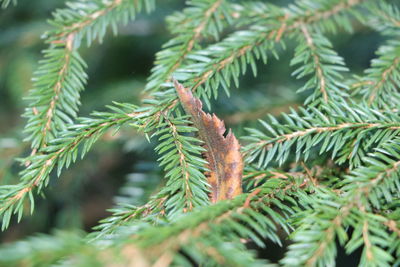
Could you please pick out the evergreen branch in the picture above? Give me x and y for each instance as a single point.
(368, 247)
(320, 76)
(392, 224)
(376, 182)
(128, 214)
(220, 63)
(324, 62)
(209, 251)
(325, 221)
(255, 40)
(375, 241)
(323, 10)
(288, 137)
(186, 187)
(380, 85)
(197, 22)
(366, 184)
(61, 75)
(224, 217)
(352, 200)
(340, 132)
(211, 69)
(384, 17)
(60, 78)
(182, 162)
(61, 152)
(199, 229)
(320, 15)
(94, 18)
(63, 69)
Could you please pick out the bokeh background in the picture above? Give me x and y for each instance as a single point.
(118, 69)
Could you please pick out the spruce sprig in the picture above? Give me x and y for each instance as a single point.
(327, 173)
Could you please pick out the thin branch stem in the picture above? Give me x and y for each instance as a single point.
(317, 62)
(377, 85)
(182, 162)
(321, 129)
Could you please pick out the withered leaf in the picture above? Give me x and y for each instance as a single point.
(223, 153)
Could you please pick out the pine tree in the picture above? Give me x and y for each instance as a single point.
(324, 175)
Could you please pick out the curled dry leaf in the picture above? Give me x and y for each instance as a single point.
(223, 153)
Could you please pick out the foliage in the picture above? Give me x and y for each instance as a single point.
(324, 174)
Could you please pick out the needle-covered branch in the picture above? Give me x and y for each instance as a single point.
(59, 154)
(348, 132)
(220, 64)
(325, 174)
(201, 20)
(364, 191)
(61, 76)
(380, 85)
(315, 56)
(186, 187)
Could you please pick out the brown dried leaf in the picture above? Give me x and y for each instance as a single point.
(223, 153)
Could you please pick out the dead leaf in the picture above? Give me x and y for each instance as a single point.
(223, 153)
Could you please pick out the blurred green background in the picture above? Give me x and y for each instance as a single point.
(118, 69)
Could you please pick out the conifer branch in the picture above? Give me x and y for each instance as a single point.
(288, 137)
(191, 228)
(183, 162)
(321, 78)
(61, 152)
(218, 64)
(181, 158)
(128, 214)
(312, 128)
(328, 238)
(336, 178)
(364, 185)
(61, 75)
(58, 64)
(55, 98)
(196, 230)
(317, 14)
(88, 19)
(380, 85)
(384, 77)
(367, 242)
(385, 17)
(198, 21)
